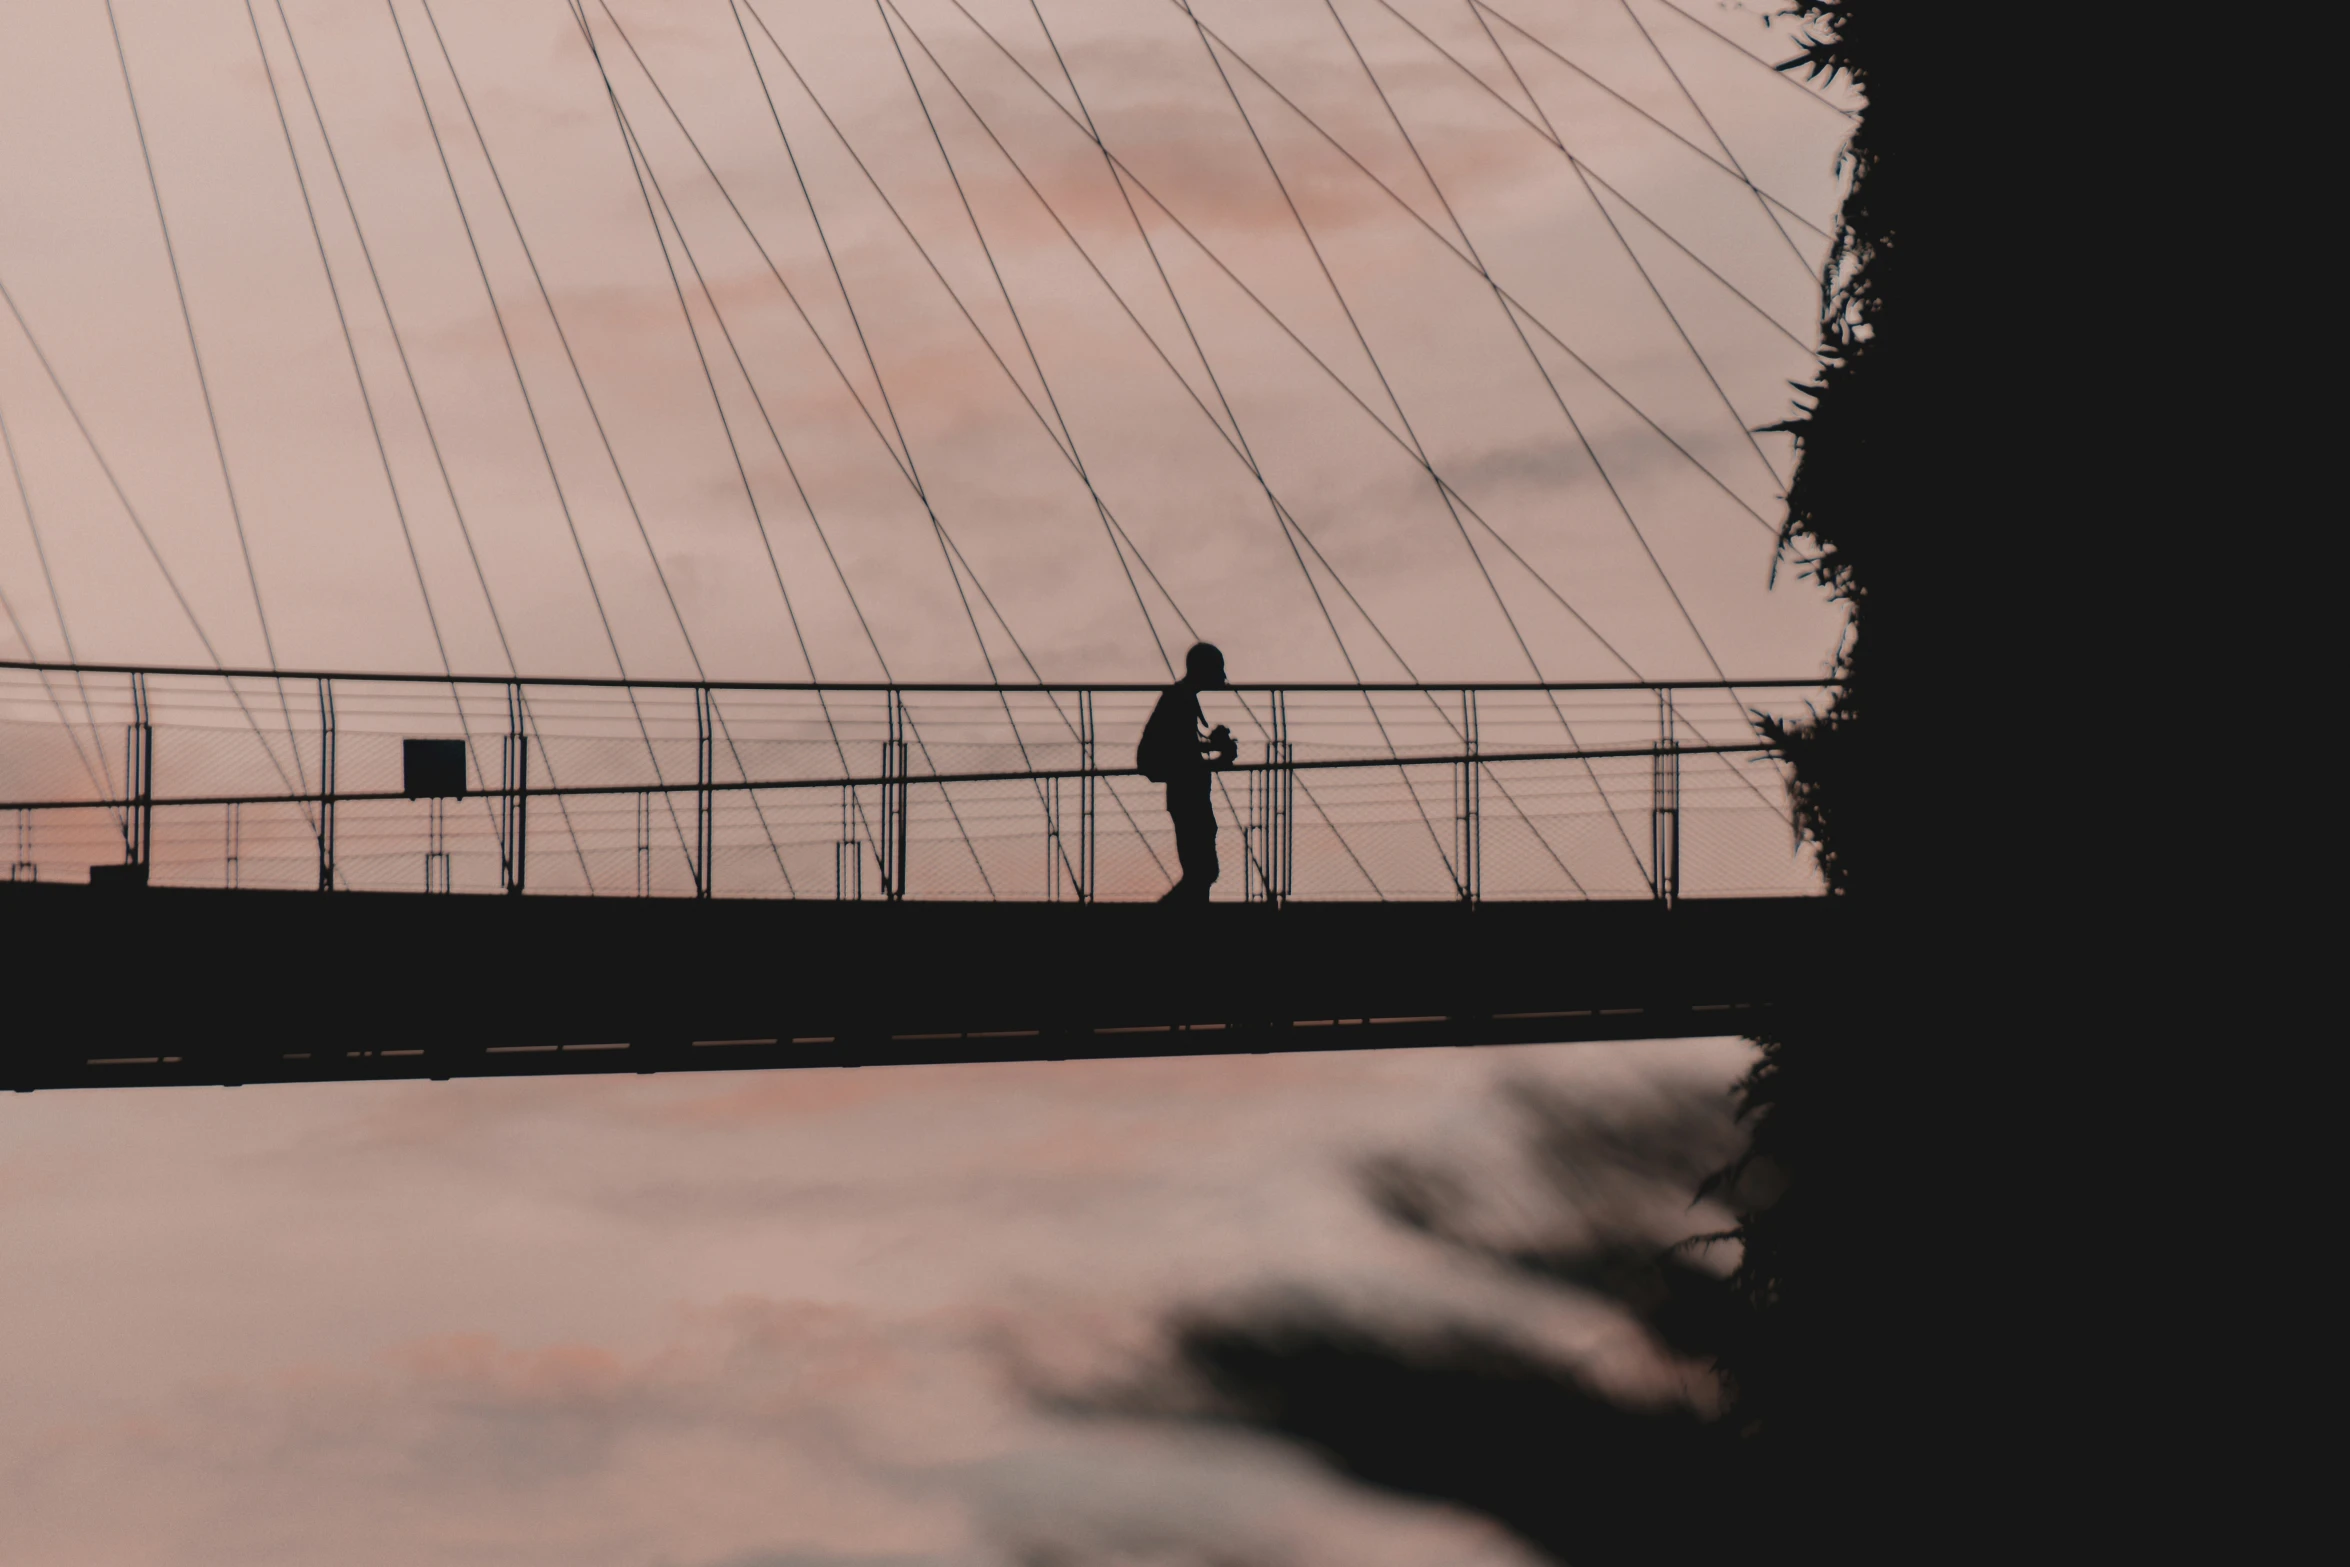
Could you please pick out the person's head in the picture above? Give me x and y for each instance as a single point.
(1203, 667)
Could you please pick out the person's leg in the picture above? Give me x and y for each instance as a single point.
(1195, 846)
(1198, 848)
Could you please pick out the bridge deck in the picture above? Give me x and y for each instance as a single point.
(168, 985)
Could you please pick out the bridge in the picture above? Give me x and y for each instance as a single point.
(914, 345)
(175, 986)
(738, 874)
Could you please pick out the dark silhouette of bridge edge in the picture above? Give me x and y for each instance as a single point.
(184, 985)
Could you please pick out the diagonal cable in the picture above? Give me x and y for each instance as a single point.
(1235, 437)
(204, 386)
(1582, 439)
(146, 538)
(1544, 129)
(1292, 533)
(1704, 119)
(1362, 340)
(1682, 332)
(431, 435)
(1810, 92)
(1209, 254)
(1627, 103)
(32, 524)
(640, 166)
(1068, 438)
(547, 300)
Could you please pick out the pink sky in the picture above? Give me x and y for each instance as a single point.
(778, 1321)
(719, 1320)
(81, 252)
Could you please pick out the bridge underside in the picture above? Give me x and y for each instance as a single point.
(165, 985)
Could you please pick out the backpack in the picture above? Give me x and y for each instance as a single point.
(1169, 745)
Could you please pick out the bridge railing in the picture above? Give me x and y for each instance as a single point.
(940, 791)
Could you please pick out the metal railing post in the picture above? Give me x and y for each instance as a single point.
(705, 759)
(1085, 797)
(436, 845)
(1281, 860)
(1468, 821)
(138, 823)
(326, 785)
(896, 768)
(24, 867)
(1267, 840)
(644, 843)
(1664, 821)
(848, 864)
(1255, 885)
(1052, 840)
(233, 847)
(514, 808)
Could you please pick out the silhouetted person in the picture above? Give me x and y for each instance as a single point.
(1174, 753)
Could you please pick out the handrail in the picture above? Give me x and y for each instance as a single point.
(1482, 758)
(606, 682)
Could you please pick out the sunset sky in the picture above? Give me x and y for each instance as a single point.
(801, 1320)
(728, 1320)
(82, 255)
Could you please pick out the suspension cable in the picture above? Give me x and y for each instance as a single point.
(945, 534)
(848, 384)
(903, 452)
(774, 435)
(32, 524)
(1589, 451)
(334, 292)
(1574, 425)
(1292, 532)
(204, 386)
(1581, 174)
(641, 167)
(431, 435)
(1549, 133)
(1419, 452)
(359, 377)
(1069, 439)
(530, 406)
(1725, 168)
(146, 538)
(947, 550)
(1209, 254)
(1526, 311)
(1704, 119)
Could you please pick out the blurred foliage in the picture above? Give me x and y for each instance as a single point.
(1845, 527)
(1871, 1279)
(1887, 1318)
(1832, 1425)
(1594, 1202)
